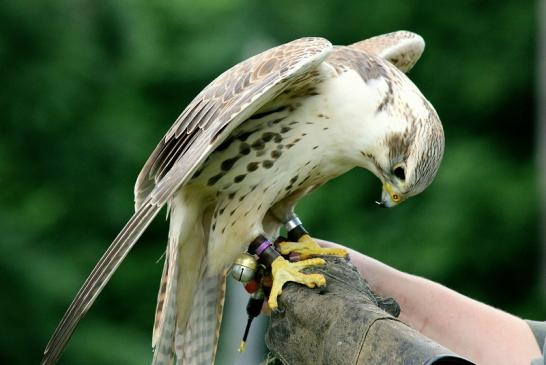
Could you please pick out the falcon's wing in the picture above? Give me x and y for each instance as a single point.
(225, 103)
(402, 48)
(205, 123)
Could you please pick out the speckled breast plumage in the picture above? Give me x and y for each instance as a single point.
(275, 154)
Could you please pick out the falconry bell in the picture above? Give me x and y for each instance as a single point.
(244, 268)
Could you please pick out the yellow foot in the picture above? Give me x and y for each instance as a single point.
(307, 247)
(284, 271)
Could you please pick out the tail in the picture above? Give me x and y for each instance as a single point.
(190, 301)
(196, 344)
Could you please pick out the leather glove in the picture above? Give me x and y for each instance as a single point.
(346, 323)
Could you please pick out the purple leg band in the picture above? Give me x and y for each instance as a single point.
(263, 246)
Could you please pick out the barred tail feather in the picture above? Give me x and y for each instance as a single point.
(181, 274)
(165, 319)
(161, 299)
(196, 343)
(164, 333)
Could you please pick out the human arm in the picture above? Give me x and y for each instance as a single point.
(472, 329)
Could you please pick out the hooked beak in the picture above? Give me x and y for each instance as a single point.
(389, 198)
(381, 203)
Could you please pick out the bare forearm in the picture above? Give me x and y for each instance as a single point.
(475, 330)
(482, 333)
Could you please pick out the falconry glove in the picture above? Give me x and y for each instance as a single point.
(346, 323)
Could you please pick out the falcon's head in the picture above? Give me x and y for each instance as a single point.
(409, 144)
(406, 138)
(408, 157)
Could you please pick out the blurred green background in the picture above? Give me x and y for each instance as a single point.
(89, 88)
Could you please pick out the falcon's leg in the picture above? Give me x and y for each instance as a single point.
(283, 270)
(302, 244)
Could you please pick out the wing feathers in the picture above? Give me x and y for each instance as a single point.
(402, 48)
(97, 280)
(235, 94)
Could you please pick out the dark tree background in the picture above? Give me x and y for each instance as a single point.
(89, 88)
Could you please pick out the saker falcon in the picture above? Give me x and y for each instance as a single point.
(245, 150)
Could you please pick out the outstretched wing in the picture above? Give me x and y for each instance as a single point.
(402, 48)
(205, 123)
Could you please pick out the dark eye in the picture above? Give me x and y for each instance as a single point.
(400, 173)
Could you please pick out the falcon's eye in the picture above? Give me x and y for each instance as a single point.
(399, 173)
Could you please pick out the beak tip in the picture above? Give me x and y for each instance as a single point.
(381, 204)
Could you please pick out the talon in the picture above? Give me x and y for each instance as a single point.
(307, 247)
(284, 271)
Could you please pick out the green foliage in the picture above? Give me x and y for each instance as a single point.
(89, 87)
